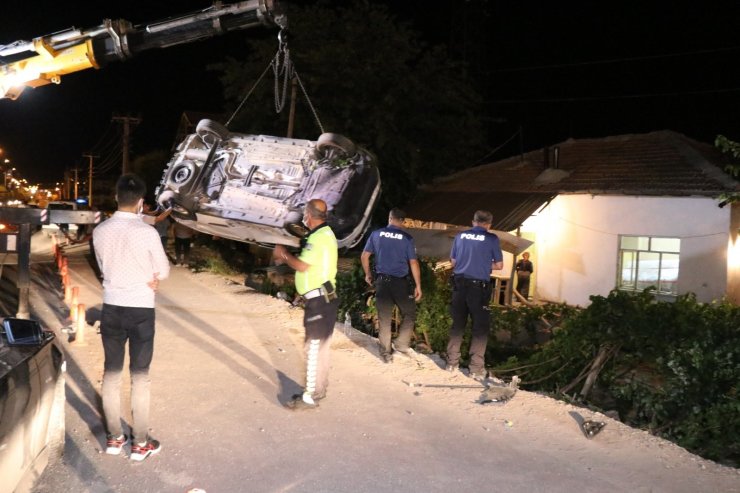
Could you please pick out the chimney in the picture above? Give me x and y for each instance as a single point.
(551, 162)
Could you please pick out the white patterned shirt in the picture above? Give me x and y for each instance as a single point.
(129, 254)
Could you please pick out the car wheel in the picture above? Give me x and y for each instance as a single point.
(181, 174)
(180, 212)
(330, 141)
(296, 229)
(211, 132)
(56, 429)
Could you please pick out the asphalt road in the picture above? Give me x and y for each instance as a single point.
(227, 357)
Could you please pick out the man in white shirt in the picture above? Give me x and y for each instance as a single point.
(132, 261)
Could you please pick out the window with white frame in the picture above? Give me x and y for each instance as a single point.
(646, 261)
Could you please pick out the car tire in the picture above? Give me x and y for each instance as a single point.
(211, 132)
(181, 174)
(329, 141)
(296, 229)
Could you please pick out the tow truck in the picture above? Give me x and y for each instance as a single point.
(248, 188)
(45, 59)
(39, 62)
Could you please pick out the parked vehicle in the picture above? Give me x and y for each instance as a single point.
(253, 188)
(62, 205)
(31, 402)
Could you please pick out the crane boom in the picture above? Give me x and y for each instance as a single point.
(46, 59)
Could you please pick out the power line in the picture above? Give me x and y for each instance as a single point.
(619, 96)
(610, 60)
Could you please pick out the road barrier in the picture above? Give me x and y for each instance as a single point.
(80, 325)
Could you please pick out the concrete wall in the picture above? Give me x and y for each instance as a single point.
(733, 256)
(577, 239)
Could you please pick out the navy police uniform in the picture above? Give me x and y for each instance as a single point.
(473, 251)
(393, 248)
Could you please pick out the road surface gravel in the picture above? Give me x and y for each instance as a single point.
(227, 358)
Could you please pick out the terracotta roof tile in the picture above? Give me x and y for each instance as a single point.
(662, 163)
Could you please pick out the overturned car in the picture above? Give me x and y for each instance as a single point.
(253, 188)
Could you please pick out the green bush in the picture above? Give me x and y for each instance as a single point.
(671, 368)
(353, 294)
(433, 318)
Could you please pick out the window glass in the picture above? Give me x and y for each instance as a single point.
(628, 270)
(665, 245)
(648, 270)
(635, 242)
(646, 262)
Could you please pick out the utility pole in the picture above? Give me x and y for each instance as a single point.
(65, 190)
(89, 179)
(127, 121)
(76, 183)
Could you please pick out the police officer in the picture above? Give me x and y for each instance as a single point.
(315, 281)
(394, 253)
(474, 254)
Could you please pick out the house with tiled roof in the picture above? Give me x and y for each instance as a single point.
(626, 212)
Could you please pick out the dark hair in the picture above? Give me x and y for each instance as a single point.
(397, 214)
(129, 189)
(482, 217)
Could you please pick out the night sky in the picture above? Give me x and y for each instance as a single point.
(549, 71)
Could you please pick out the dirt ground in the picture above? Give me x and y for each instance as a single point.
(227, 358)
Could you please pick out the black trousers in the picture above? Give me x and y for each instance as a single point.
(522, 285)
(389, 292)
(470, 298)
(119, 325)
(182, 249)
(319, 318)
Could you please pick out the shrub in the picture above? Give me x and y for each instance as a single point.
(671, 368)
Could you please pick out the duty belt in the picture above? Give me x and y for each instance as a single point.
(388, 277)
(315, 293)
(472, 282)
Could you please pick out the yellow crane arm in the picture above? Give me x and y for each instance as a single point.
(45, 59)
(45, 68)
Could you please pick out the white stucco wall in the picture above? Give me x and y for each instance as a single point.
(577, 240)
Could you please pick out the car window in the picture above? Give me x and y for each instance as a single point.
(62, 207)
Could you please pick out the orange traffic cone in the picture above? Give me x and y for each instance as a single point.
(81, 325)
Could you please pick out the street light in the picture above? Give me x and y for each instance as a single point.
(5, 173)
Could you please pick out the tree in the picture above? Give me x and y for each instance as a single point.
(370, 78)
(733, 169)
(149, 167)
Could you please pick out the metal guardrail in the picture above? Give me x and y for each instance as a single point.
(24, 217)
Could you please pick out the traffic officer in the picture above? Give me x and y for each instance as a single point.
(475, 253)
(315, 281)
(394, 253)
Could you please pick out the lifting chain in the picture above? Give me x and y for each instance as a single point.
(281, 65)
